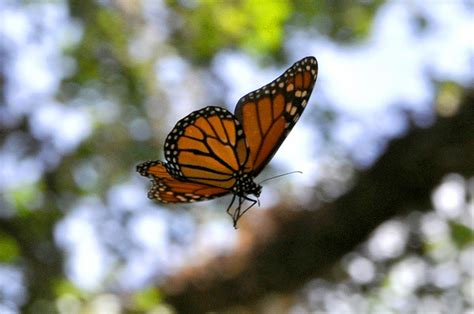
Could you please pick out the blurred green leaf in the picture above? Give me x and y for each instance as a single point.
(64, 286)
(461, 234)
(27, 197)
(9, 249)
(448, 98)
(342, 21)
(266, 19)
(146, 299)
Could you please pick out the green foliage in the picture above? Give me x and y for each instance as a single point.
(146, 299)
(256, 26)
(27, 197)
(461, 234)
(9, 250)
(65, 287)
(343, 21)
(102, 57)
(448, 98)
(259, 27)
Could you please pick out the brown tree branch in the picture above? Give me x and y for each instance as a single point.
(289, 247)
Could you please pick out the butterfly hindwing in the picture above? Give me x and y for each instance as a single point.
(167, 189)
(268, 114)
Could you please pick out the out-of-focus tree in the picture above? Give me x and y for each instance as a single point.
(91, 88)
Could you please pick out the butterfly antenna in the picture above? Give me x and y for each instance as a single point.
(280, 175)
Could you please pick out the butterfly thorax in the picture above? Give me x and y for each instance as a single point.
(245, 185)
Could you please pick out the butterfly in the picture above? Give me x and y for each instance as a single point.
(212, 152)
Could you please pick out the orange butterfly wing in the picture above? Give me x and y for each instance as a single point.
(268, 114)
(168, 189)
(208, 146)
(206, 153)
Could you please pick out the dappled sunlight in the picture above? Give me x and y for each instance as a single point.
(449, 198)
(65, 128)
(361, 269)
(78, 237)
(91, 89)
(12, 286)
(388, 240)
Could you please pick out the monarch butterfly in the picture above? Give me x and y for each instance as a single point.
(212, 152)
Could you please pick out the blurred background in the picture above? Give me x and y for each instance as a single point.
(380, 221)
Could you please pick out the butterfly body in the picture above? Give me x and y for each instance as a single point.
(212, 152)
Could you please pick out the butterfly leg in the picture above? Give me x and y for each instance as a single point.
(251, 205)
(230, 206)
(236, 215)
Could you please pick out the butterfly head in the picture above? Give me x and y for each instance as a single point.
(256, 189)
(245, 186)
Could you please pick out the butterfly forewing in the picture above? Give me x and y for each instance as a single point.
(268, 114)
(208, 147)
